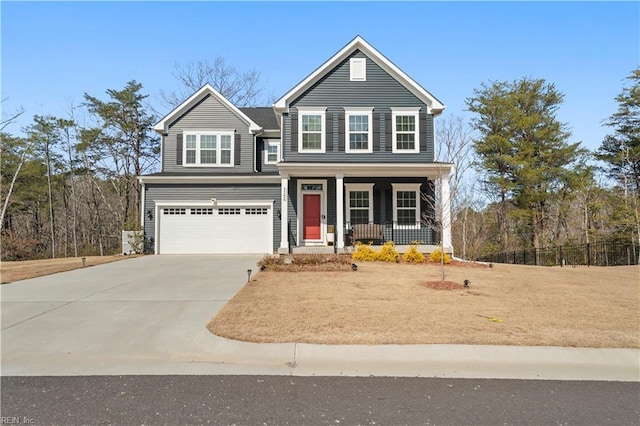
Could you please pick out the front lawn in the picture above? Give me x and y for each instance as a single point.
(389, 303)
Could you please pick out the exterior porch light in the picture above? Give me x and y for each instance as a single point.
(149, 214)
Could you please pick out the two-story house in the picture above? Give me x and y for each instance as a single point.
(346, 155)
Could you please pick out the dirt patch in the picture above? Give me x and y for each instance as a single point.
(16, 271)
(388, 303)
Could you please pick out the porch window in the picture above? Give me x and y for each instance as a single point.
(406, 205)
(358, 129)
(359, 201)
(405, 130)
(208, 149)
(311, 130)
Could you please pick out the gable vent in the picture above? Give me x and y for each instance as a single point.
(358, 69)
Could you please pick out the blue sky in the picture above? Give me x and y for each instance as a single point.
(54, 52)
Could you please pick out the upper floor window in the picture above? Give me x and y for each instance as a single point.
(311, 130)
(208, 149)
(405, 129)
(358, 129)
(358, 69)
(272, 152)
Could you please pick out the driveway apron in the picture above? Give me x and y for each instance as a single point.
(145, 315)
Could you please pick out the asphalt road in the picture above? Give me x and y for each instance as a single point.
(282, 400)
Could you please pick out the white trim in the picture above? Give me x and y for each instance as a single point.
(348, 187)
(358, 43)
(284, 212)
(358, 69)
(163, 125)
(323, 211)
(268, 143)
(142, 204)
(368, 112)
(404, 111)
(410, 187)
(322, 112)
(339, 211)
(218, 134)
(210, 179)
(429, 170)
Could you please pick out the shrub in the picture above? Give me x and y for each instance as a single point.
(413, 255)
(269, 261)
(388, 253)
(364, 253)
(436, 256)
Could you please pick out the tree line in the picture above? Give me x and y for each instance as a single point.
(69, 185)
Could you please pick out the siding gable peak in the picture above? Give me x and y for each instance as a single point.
(358, 43)
(162, 126)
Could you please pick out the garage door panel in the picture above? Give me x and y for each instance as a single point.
(218, 230)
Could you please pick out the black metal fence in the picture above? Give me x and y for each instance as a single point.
(602, 253)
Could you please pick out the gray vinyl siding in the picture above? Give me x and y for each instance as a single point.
(335, 92)
(209, 114)
(267, 168)
(204, 192)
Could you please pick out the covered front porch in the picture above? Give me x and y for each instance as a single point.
(330, 207)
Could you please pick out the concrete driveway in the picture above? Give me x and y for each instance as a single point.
(145, 315)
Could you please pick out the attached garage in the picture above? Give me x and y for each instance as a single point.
(211, 228)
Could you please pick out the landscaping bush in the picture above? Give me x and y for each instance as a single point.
(388, 253)
(413, 255)
(436, 256)
(364, 253)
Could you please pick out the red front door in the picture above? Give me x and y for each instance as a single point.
(311, 217)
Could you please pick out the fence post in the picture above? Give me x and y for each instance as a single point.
(588, 256)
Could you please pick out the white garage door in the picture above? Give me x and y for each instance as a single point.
(193, 230)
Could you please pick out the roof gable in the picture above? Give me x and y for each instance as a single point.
(207, 90)
(359, 43)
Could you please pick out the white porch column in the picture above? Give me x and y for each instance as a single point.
(284, 212)
(445, 196)
(340, 210)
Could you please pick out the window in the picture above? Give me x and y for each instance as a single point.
(227, 211)
(311, 130)
(405, 130)
(255, 211)
(172, 211)
(202, 211)
(406, 205)
(272, 152)
(359, 201)
(358, 129)
(208, 149)
(311, 186)
(358, 69)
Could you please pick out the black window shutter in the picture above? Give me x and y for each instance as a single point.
(341, 131)
(388, 137)
(294, 132)
(334, 128)
(328, 132)
(179, 149)
(377, 143)
(236, 149)
(423, 132)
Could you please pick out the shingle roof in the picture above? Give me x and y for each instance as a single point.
(263, 116)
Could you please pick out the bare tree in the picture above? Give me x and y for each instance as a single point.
(241, 88)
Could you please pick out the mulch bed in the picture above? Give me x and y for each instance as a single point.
(443, 285)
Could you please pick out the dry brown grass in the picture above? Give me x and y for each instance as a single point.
(385, 303)
(16, 271)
